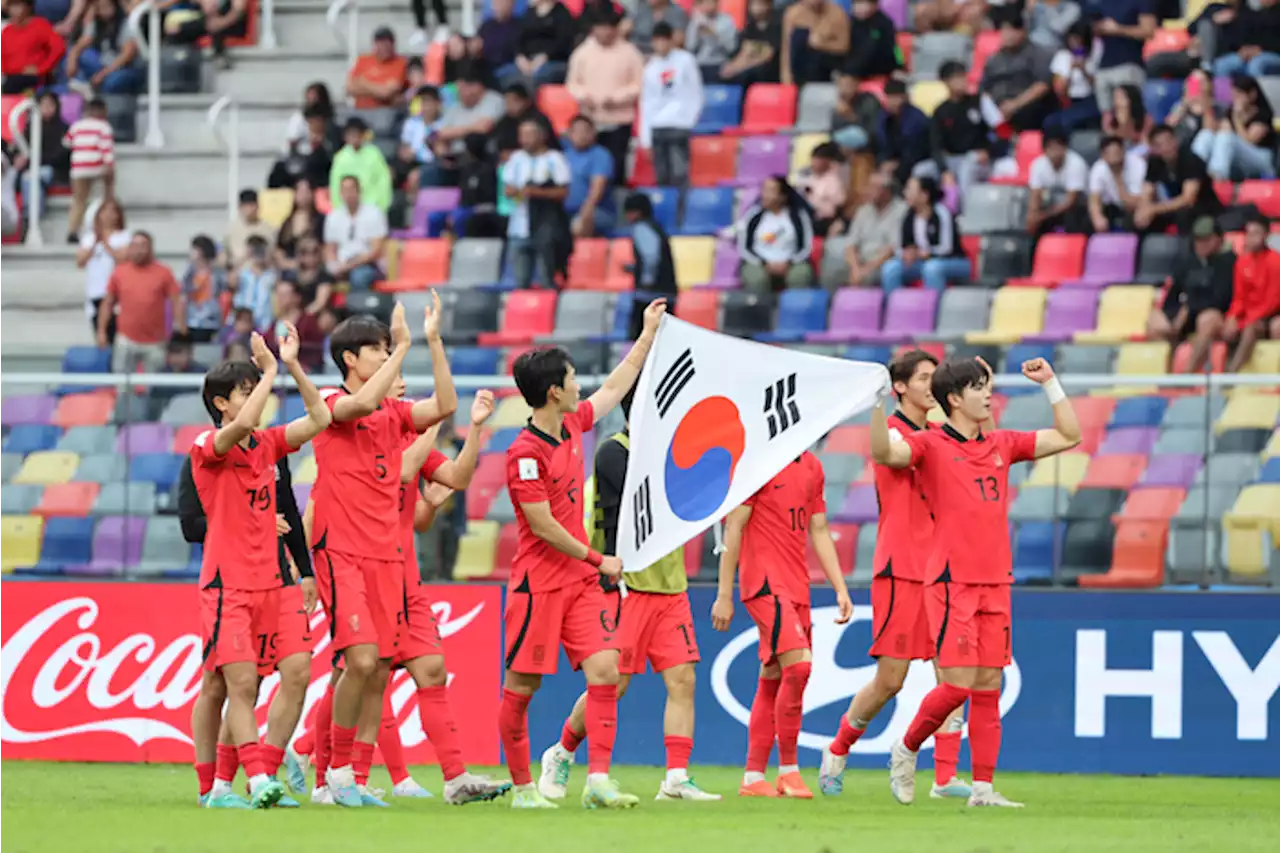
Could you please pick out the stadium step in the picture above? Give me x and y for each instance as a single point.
(171, 225)
(284, 72)
(150, 177)
(183, 122)
(303, 23)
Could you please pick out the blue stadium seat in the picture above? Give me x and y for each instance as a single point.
(666, 205)
(1138, 412)
(707, 210)
(799, 311)
(1037, 549)
(1160, 97)
(1270, 471)
(501, 440)
(67, 542)
(162, 469)
(721, 108)
(292, 409)
(28, 438)
(474, 361)
(1013, 359)
(868, 352)
(621, 330)
(86, 360)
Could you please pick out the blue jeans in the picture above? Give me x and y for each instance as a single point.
(364, 277)
(1080, 114)
(1262, 65)
(123, 81)
(1224, 152)
(529, 262)
(439, 221)
(549, 72)
(935, 273)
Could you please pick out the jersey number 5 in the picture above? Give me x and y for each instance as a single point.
(988, 488)
(259, 499)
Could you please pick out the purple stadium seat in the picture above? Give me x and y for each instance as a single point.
(117, 543)
(72, 106)
(855, 313)
(860, 505)
(1109, 259)
(1129, 440)
(1222, 91)
(27, 409)
(433, 199)
(897, 12)
(144, 437)
(725, 274)
(761, 157)
(302, 493)
(1173, 469)
(910, 314)
(1069, 310)
(747, 197)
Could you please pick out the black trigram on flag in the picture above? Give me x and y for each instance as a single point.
(673, 381)
(780, 405)
(642, 513)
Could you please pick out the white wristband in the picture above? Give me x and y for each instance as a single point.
(1053, 390)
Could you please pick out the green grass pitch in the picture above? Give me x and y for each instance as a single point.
(103, 808)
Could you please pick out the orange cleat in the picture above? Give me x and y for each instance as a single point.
(758, 789)
(792, 785)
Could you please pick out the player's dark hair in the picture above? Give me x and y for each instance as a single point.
(904, 365)
(224, 378)
(952, 377)
(354, 334)
(538, 371)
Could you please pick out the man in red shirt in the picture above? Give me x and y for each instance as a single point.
(234, 469)
(900, 628)
(557, 593)
(1255, 301)
(770, 535)
(355, 533)
(29, 49)
(964, 472)
(136, 295)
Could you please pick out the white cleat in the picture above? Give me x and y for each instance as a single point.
(474, 788)
(955, 788)
(984, 795)
(553, 783)
(321, 797)
(409, 788)
(418, 41)
(441, 34)
(685, 789)
(902, 774)
(831, 774)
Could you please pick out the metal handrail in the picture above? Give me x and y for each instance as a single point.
(351, 38)
(267, 25)
(231, 142)
(34, 190)
(154, 137)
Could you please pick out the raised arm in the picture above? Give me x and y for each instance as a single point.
(443, 401)
(734, 523)
(1065, 433)
(317, 418)
(457, 473)
(238, 429)
(895, 454)
(366, 400)
(624, 375)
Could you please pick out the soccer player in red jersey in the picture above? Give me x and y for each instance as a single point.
(356, 536)
(556, 595)
(234, 469)
(900, 629)
(768, 538)
(964, 471)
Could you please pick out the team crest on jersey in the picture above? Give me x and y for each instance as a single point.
(354, 621)
(999, 461)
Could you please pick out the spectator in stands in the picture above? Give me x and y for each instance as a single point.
(377, 79)
(543, 46)
(873, 42)
(775, 239)
(289, 304)
(944, 15)
(1057, 180)
(139, 292)
(1115, 186)
(875, 233)
(1187, 116)
(355, 233)
(824, 186)
(671, 101)
(1177, 190)
(1124, 27)
(55, 155)
(1073, 67)
(499, 36)
(478, 213)
(360, 160)
(710, 37)
(237, 331)
(959, 139)
(29, 49)
(1017, 77)
(1242, 142)
(654, 270)
(465, 56)
(218, 19)
(311, 141)
(1257, 38)
(476, 111)
(1049, 23)
(1128, 118)
(247, 225)
(203, 286)
(1254, 313)
(539, 238)
(98, 253)
(415, 163)
(756, 58)
(255, 283)
(304, 220)
(815, 41)
(902, 133)
(310, 276)
(93, 160)
(590, 204)
(930, 244)
(106, 57)
(646, 15)
(1197, 302)
(518, 107)
(179, 359)
(316, 103)
(856, 115)
(605, 75)
(418, 41)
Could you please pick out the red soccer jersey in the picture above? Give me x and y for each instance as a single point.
(775, 558)
(357, 489)
(238, 493)
(904, 537)
(967, 484)
(409, 498)
(542, 467)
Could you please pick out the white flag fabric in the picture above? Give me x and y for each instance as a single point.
(714, 418)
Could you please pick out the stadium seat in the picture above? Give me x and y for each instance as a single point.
(1152, 504)
(184, 409)
(992, 208)
(44, 467)
(90, 409)
(817, 102)
(707, 210)
(1081, 358)
(760, 158)
(12, 463)
(86, 360)
(423, 264)
(527, 314)
(1039, 503)
(1270, 472)
(1138, 412)
(694, 259)
(1264, 195)
(275, 205)
(67, 542)
(1249, 411)
(1116, 471)
(700, 307)
(558, 106)
(1217, 357)
(712, 159)
(126, 498)
(476, 262)
(477, 551)
(1004, 257)
(1265, 358)
(1109, 259)
(1128, 440)
(1037, 550)
(854, 440)
(474, 361)
(29, 438)
(721, 108)
(960, 310)
(1058, 258)
(799, 312)
(582, 314)
(20, 538)
(1122, 315)
(802, 152)
(163, 547)
(926, 95)
(931, 50)
(468, 313)
(1016, 312)
(160, 469)
(618, 276)
(1064, 471)
(117, 544)
(767, 108)
(666, 205)
(185, 436)
(1251, 531)
(146, 437)
(745, 314)
(589, 264)
(19, 499)
(855, 311)
(1158, 258)
(27, 409)
(102, 468)
(1137, 557)
(1248, 441)
(511, 412)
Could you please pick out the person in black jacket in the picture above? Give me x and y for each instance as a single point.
(542, 47)
(960, 139)
(1196, 303)
(873, 42)
(902, 135)
(654, 268)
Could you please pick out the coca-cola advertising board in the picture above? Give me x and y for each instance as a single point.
(108, 672)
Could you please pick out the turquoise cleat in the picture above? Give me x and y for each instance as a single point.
(224, 801)
(347, 795)
(955, 789)
(295, 772)
(831, 774)
(368, 799)
(287, 802)
(268, 794)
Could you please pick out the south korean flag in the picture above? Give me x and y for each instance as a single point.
(714, 418)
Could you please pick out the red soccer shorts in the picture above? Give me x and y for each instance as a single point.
(420, 635)
(364, 598)
(582, 617)
(658, 628)
(784, 625)
(900, 626)
(972, 624)
(239, 626)
(293, 631)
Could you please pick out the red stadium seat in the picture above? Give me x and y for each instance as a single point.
(1226, 191)
(736, 9)
(621, 255)
(324, 204)
(1030, 145)
(528, 313)
(72, 500)
(1217, 357)
(479, 499)
(557, 105)
(7, 105)
(491, 470)
(972, 246)
(433, 65)
(642, 173)
(589, 264)
(873, 86)
(985, 44)
(712, 159)
(508, 538)
(1265, 195)
(90, 409)
(1118, 471)
(905, 40)
(700, 307)
(767, 108)
(1137, 557)
(1059, 258)
(693, 556)
(1093, 412)
(423, 264)
(845, 537)
(1153, 504)
(509, 365)
(849, 439)
(1166, 41)
(185, 436)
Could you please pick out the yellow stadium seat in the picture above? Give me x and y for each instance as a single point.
(1265, 358)
(802, 150)
(1251, 530)
(1065, 470)
(1249, 411)
(477, 550)
(20, 540)
(1015, 313)
(305, 470)
(1143, 358)
(46, 467)
(928, 94)
(1273, 446)
(274, 206)
(269, 412)
(1122, 315)
(1195, 8)
(391, 254)
(694, 259)
(510, 412)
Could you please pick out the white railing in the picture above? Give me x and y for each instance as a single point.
(33, 192)
(154, 137)
(351, 38)
(469, 16)
(231, 142)
(267, 25)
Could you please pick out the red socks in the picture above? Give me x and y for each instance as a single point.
(678, 751)
(789, 710)
(390, 744)
(602, 725)
(322, 727)
(204, 774)
(361, 761)
(513, 727)
(343, 743)
(984, 733)
(846, 737)
(272, 758)
(569, 739)
(934, 709)
(227, 762)
(946, 755)
(437, 721)
(251, 758)
(760, 731)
